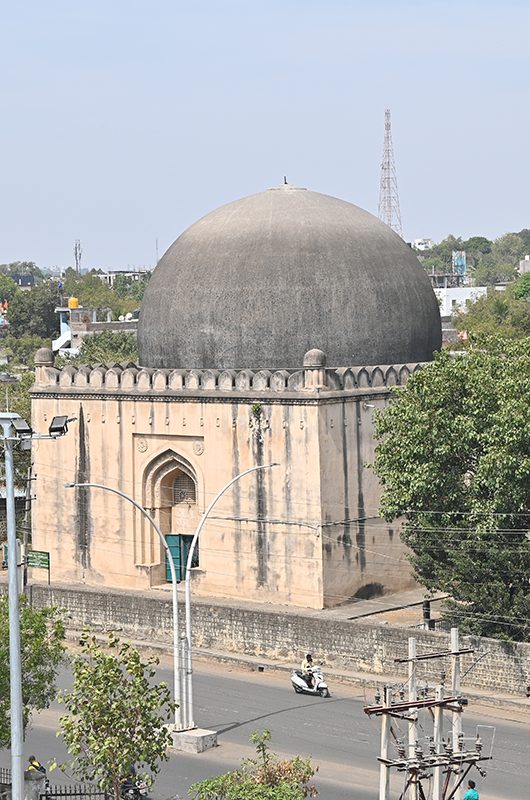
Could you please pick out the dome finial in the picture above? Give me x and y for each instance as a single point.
(285, 180)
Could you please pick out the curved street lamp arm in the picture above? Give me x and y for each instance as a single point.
(189, 693)
(147, 515)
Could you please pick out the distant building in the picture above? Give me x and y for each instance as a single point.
(455, 298)
(110, 277)
(26, 282)
(76, 322)
(422, 244)
(524, 265)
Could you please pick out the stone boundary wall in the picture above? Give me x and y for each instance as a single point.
(130, 378)
(285, 635)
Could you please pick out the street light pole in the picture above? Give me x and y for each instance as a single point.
(176, 658)
(16, 430)
(15, 666)
(188, 721)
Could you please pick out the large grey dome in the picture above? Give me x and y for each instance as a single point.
(260, 281)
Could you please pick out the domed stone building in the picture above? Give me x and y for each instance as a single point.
(270, 332)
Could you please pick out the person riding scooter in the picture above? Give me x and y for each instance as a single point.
(307, 670)
(34, 764)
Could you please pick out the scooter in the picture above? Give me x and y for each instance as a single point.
(133, 789)
(319, 685)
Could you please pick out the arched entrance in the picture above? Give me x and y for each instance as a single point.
(171, 492)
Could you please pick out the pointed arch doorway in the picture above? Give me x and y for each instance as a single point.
(171, 491)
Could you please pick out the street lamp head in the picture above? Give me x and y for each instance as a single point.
(21, 427)
(69, 485)
(58, 426)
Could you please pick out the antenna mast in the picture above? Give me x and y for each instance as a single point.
(78, 251)
(388, 192)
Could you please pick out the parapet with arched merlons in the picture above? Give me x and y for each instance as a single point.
(140, 380)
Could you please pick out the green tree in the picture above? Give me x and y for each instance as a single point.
(454, 463)
(508, 249)
(116, 714)
(477, 244)
(521, 289)
(503, 313)
(109, 347)
(489, 271)
(444, 249)
(524, 235)
(21, 351)
(33, 313)
(42, 652)
(8, 287)
(263, 778)
(92, 292)
(127, 286)
(22, 268)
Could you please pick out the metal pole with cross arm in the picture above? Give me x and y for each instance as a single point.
(16, 430)
(177, 676)
(188, 720)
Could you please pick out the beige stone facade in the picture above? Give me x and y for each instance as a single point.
(305, 532)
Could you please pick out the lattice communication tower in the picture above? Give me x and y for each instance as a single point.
(389, 210)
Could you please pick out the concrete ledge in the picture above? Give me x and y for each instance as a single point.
(195, 741)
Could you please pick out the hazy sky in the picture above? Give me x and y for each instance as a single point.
(123, 121)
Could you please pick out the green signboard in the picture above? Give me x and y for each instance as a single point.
(38, 558)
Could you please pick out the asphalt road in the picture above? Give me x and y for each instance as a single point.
(334, 732)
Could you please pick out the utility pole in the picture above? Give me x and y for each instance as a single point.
(455, 691)
(384, 769)
(437, 746)
(413, 715)
(442, 757)
(389, 211)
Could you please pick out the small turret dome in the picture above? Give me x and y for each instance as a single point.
(44, 357)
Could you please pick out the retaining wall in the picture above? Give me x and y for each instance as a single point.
(284, 635)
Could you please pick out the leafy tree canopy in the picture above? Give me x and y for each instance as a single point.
(21, 268)
(444, 249)
(489, 272)
(477, 244)
(8, 287)
(42, 652)
(109, 347)
(21, 351)
(505, 313)
(521, 289)
(33, 313)
(263, 778)
(126, 286)
(508, 249)
(454, 462)
(116, 714)
(525, 236)
(92, 292)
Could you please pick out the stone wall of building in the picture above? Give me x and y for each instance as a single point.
(305, 532)
(285, 635)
